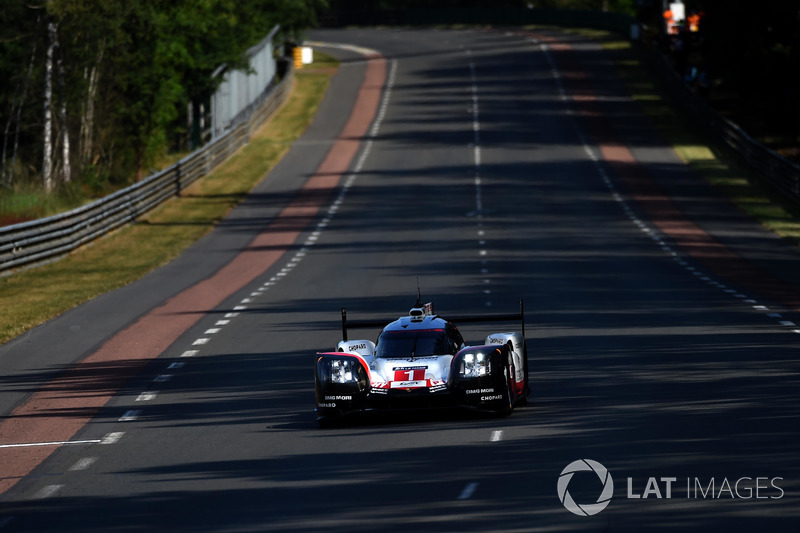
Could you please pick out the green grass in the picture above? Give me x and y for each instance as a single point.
(26, 202)
(31, 297)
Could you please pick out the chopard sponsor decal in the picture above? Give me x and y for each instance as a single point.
(331, 404)
(490, 398)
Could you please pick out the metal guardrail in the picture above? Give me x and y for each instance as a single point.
(774, 169)
(44, 240)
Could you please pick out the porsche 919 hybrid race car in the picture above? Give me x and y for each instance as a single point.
(420, 361)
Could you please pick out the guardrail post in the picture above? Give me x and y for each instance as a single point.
(178, 179)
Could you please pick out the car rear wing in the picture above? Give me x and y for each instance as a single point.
(455, 319)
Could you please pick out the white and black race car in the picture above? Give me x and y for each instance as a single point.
(420, 361)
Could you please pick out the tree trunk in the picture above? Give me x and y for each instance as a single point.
(66, 170)
(47, 156)
(87, 119)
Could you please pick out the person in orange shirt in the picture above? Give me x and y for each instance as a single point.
(672, 28)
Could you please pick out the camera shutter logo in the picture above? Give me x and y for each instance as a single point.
(585, 465)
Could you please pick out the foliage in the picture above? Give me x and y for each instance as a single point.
(124, 74)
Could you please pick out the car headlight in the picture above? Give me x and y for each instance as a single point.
(343, 371)
(476, 365)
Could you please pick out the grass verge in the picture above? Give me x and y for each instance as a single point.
(31, 297)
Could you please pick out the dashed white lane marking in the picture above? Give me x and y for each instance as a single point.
(148, 396)
(162, 378)
(176, 366)
(476, 162)
(83, 464)
(112, 438)
(201, 341)
(130, 415)
(189, 353)
(55, 443)
(47, 492)
(468, 491)
(212, 331)
(496, 436)
(786, 323)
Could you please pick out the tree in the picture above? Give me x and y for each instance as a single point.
(112, 77)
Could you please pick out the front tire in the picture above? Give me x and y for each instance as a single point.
(509, 403)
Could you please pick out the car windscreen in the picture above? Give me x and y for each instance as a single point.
(413, 343)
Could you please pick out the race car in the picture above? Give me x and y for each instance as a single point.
(420, 361)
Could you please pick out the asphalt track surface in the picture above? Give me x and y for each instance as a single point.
(661, 325)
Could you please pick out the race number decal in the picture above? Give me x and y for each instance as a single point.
(409, 374)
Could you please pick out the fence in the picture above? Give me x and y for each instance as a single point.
(40, 241)
(240, 88)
